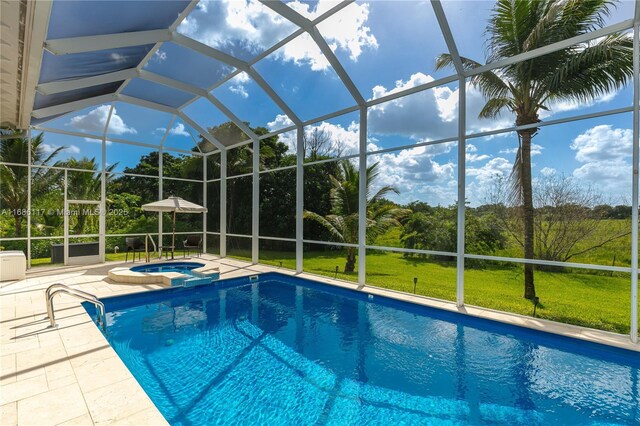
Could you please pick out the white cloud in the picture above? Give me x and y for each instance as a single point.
(96, 119)
(49, 148)
(496, 167)
(345, 139)
(159, 56)
(243, 27)
(246, 28)
(481, 179)
(429, 114)
(118, 58)
(279, 122)
(310, 10)
(605, 174)
(345, 31)
(548, 171)
(535, 150)
(178, 130)
(303, 51)
(606, 156)
(472, 156)
(603, 143)
(564, 106)
(423, 115)
(238, 83)
(418, 174)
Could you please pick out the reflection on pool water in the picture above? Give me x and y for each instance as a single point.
(284, 350)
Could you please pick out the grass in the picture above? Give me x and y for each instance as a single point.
(615, 253)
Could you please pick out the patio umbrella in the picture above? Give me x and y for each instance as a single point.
(175, 205)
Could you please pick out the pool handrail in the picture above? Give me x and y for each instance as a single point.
(54, 289)
(146, 247)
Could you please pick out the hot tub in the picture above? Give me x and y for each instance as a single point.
(169, 273)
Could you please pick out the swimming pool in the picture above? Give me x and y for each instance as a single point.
(284, 350)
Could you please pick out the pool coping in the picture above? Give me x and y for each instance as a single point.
(87, 371)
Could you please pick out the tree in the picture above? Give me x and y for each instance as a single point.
(577, 73)
(568, 219)
(14, 194)
(342, 223)
(318, 145)
(435, 228)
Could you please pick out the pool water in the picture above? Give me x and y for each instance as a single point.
(181, 267)
(287, 351)
(186, 268)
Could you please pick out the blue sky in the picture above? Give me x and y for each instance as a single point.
(385, 47)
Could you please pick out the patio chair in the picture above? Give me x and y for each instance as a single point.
(135, 245)
(193, 242)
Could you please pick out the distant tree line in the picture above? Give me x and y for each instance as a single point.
(565, 214)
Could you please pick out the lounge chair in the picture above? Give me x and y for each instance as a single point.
(193, 242)
(134, 245)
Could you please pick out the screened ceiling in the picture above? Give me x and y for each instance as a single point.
(273, 64)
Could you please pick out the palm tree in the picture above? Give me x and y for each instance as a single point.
(578, 73)
(342, 223)
(13, 193)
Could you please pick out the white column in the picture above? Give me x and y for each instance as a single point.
(255, 202)
(461, 192)
(160, 191)
(29, 159)
(299, 198)
(204, 202)
(65, 248)
(223, 203)
(102, 221)
(161, 174)
(362, 200)
(635, 183)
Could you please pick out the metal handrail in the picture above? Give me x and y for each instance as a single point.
(146, 247)
(54, 289)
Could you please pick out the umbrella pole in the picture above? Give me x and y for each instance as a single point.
(173, 238)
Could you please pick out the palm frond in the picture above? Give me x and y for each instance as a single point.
(327, 224)
(596, 70)
(508, 28)
(515, 194)
(582, 16)
(540, 34)
(494, 107)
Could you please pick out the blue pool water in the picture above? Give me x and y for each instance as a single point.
(181, 267)
(185, 268)
(287, 351)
